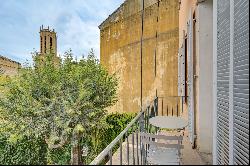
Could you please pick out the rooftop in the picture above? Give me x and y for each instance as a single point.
(42, 29)
(7, 59)
(105, 21)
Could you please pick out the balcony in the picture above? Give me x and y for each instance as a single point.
(128, 147)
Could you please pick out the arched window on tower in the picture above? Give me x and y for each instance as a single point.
(45, 45)
(50, 43)
(41, 43)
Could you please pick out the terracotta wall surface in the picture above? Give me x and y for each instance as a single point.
(121, 51)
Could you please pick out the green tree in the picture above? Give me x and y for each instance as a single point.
(59, 102)
(1, 71)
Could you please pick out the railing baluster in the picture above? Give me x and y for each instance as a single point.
(137, 146)
(146, 147)
(177, 110)
(133, 143)
(145, 154)
(182, 105)
(162, 107)
(154, 109)
(150, 128)
(140, 142)
(148, 109)
(147, 118)
(127, 148)
(121, 151)
(167, 110)
(141, 130)
(157, 105)
(110, 156)
(139, 124)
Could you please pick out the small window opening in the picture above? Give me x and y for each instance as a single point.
(41, 43)
(45, 44)
(50, 43)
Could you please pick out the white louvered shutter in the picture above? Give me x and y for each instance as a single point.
(181, 71)
(179, 74)
(232, 80)
(223, 68)
(241, 82)
(190, 80)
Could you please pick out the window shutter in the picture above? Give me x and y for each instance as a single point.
(232, 82)
(181, 71)
(190, 101)
(241, 82)
(223, 68)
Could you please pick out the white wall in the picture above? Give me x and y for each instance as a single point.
(203, 67)
(204, 49)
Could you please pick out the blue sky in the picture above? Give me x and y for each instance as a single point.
(75, 21)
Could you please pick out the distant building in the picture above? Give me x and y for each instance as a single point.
(48, 44)
(8, 66)
(48, 41)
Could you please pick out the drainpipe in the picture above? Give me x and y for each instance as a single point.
(142, 20)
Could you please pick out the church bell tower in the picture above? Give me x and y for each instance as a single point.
(48, 41)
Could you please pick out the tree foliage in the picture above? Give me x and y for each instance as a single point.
(1, 71)
(26, 151)
(34, 151)
(97, 140)
(55, 101)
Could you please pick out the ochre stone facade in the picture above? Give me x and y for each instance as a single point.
(8, 66)
(121, 51)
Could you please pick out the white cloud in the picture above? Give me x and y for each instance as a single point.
(79, 35)
(75, 21)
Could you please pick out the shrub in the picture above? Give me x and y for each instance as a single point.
(28, 151)
(34, 151)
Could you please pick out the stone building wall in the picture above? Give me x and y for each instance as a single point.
(121, 51)
(8, 66)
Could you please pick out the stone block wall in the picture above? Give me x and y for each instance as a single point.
(121, 51)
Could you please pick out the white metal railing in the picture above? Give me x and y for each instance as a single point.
(139, 124)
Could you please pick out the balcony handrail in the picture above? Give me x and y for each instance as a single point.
(106, 151)
(170, 96)
(142, 122)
